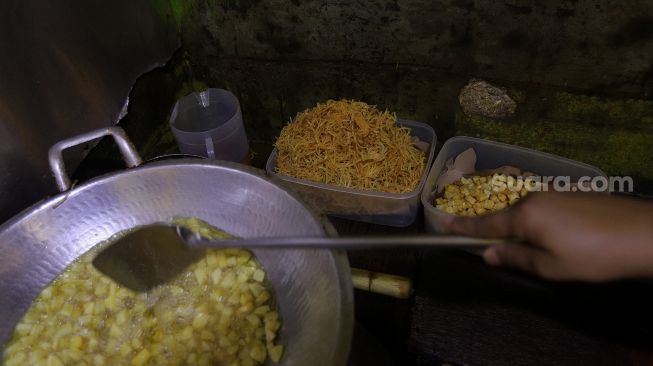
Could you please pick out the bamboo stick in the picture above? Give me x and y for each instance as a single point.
(382, 283)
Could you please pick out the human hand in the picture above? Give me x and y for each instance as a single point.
(569, 236)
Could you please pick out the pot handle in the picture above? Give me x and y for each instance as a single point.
(55, 157)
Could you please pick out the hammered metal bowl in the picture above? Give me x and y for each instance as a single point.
(313, 287)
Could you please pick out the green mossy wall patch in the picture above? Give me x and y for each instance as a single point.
(173, 11)
(615, 135)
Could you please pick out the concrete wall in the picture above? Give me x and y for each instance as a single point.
(599, 45)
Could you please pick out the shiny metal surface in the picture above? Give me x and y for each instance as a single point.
(55, 154)
(67, 67)
(344, 243)
(313, 287)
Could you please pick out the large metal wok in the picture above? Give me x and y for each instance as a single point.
(313, 287)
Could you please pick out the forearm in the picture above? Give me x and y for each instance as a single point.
(635, 244)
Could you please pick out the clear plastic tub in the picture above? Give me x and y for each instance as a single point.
(492, 155)
(392, 209)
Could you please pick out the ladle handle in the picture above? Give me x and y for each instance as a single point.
(55, 156)
(343, 243)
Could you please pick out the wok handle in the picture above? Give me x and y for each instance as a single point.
(55, 157)
(382, 283)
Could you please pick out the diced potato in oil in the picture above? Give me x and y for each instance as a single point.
(218, 312)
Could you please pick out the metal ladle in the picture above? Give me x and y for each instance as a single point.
(152, 255)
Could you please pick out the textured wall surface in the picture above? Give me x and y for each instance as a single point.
(368, 47)
(594, 45)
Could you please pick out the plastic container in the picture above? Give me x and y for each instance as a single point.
(393, 209)
(492, 155)
(210, 124)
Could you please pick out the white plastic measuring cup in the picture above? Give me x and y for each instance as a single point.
(209, 123)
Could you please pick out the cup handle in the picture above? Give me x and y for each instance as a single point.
(210, 149)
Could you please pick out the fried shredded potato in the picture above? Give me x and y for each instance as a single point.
(219, 312)
(350, 144)
(478, 195)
